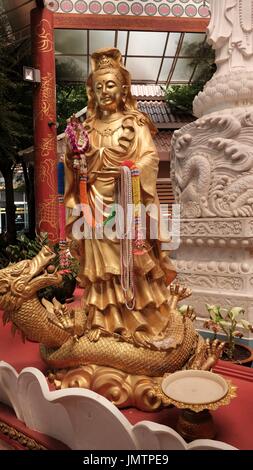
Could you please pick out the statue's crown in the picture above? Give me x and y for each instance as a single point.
(106, 59)
(105, 62)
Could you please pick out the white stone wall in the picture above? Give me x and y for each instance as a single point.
(212, 170)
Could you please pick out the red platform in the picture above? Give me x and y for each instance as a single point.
(234, 422)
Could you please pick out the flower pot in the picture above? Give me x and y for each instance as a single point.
(243, 355)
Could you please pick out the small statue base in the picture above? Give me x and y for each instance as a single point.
(120, 388)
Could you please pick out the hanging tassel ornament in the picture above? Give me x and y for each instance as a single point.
(139, 242)
(83, 180)
(62, 215)
(61, 206)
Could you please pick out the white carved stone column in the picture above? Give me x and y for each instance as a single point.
(212, 170)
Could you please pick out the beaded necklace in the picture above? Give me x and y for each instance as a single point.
(131, 242)
(108, 131)
(126, 249)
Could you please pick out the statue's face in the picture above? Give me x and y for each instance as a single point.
(108, 92)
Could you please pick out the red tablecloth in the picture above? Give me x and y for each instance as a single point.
(234, 422)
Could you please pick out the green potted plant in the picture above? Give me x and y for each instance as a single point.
(229, 321)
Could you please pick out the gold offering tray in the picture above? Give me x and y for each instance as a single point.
(196, 390)
(195, 393)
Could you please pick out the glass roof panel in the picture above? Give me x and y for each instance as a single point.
(71, 68)
(183, 71)
(189, 40)
(99, 39)
(140, 68)
(172, 44)
(146, 43)
(138, 47)
(121, 41)
(167, 63)
(68, 41)
(198, 74)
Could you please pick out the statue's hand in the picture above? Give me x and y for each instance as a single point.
(73, 119)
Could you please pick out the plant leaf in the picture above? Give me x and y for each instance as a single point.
(245, 324)
(183, 309)
(235, 312)
(225, 323)
(213, 308)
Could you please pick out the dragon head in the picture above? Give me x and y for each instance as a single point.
(21, 281)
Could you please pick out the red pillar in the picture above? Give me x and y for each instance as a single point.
(45, 141)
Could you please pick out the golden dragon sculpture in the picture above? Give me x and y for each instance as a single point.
(114, 367)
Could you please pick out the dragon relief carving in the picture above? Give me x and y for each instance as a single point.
(211, 282)
(212, 166)
(65, 343)
(207, 228)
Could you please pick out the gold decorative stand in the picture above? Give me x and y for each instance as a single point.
(192, 393)
(192, 425)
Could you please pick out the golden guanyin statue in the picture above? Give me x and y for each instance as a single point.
(128, 332)
(118, 133)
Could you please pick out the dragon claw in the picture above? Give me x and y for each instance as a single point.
(180, 291)
(190, 313)
(208, 355)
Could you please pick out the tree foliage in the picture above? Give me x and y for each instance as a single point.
(13, 130)
(71, 94)
(16, 118)
(70, 99)
(180, 97)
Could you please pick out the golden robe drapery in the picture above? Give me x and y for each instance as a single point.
(126, 137)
